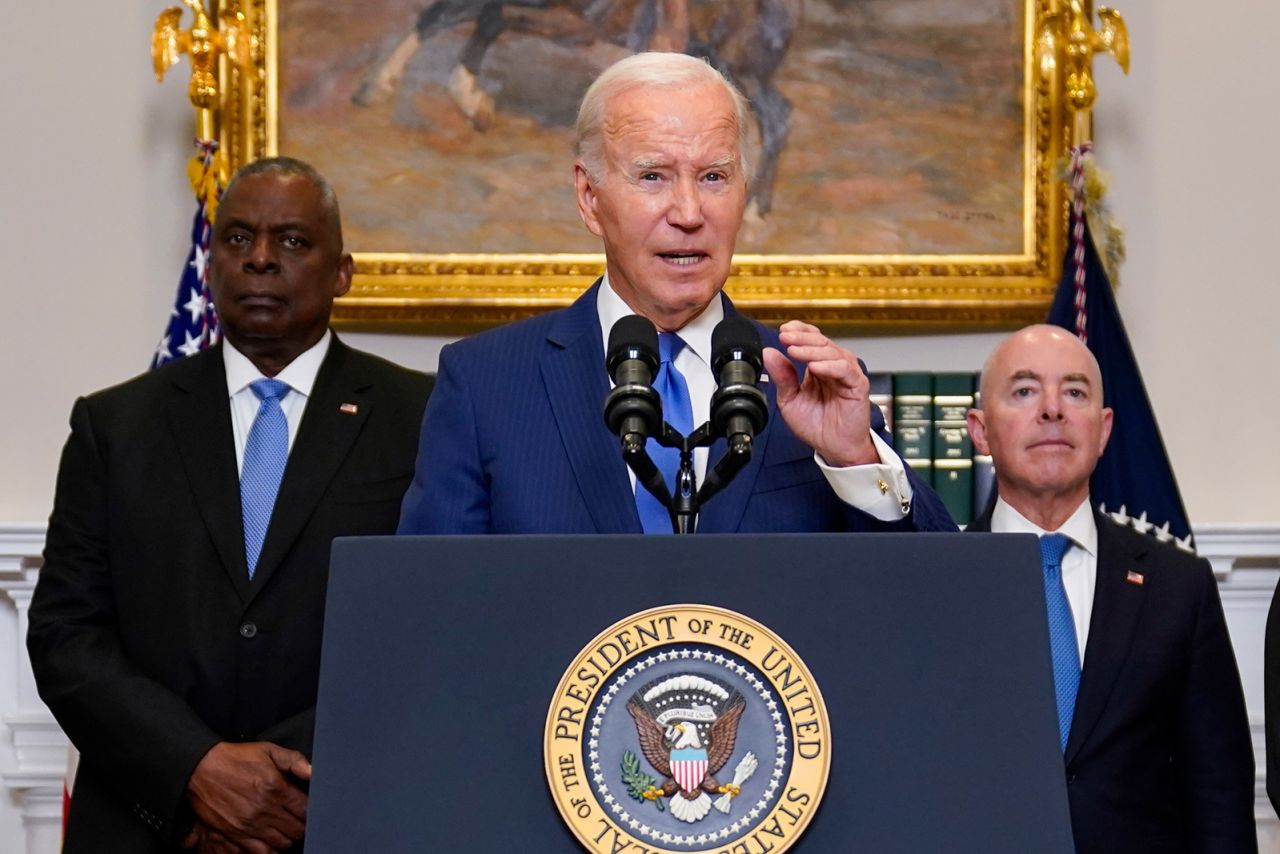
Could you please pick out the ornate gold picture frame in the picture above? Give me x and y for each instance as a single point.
(927, 119)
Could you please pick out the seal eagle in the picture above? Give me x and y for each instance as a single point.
(687, 743)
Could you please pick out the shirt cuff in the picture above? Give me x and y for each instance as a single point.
(880, 490)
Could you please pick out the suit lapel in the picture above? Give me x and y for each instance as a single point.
(576, 383)
(1117, 607)
(982, 524)
(325, 437)
(723, 513)
(200, 417)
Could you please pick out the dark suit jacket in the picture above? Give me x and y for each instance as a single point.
(148, 641)
(514, 442)
(1159, 755)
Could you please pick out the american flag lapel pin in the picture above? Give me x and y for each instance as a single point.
(349, 408)
(1135, 578)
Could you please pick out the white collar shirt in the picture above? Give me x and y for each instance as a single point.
(693, 361)
(299, 375)
(1079, 564)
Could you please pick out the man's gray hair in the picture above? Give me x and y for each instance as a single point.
(293, 167)
(651, 69)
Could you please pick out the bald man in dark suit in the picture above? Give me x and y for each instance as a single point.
(1155, 737)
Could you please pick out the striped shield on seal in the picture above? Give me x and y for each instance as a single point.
(689, 767)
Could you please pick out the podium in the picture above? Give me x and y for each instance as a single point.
(442, 656)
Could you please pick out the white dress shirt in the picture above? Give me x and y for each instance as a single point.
(1079, 564)
(299, 375)
(857, 486)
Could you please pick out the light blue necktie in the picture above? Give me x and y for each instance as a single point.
(1062, 631)
(265, 453)
(676, 411)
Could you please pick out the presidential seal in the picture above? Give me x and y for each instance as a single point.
(687, 728)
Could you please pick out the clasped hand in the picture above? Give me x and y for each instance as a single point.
(245, 798)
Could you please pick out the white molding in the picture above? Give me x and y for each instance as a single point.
(1226, 545)
(39, 745)
(41, 807)
(34, 757)
(21, 544)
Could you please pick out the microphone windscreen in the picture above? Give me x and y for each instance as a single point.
(632, 332)
(735, 337)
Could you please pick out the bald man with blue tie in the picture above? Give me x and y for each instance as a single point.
(1155, 737)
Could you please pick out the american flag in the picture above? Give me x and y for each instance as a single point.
(193, 321)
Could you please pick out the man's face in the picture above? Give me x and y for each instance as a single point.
(1042, 417)
(276, 264)
(670, 199)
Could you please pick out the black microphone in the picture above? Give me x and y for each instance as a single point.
(633, 409)
(739, 409)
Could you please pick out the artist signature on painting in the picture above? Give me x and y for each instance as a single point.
(966, 216)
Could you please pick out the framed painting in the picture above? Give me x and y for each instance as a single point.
(907, 150)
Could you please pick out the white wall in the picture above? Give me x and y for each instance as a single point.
(95, 212)
(1190, 137)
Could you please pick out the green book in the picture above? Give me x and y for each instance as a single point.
(913, 421)
(953, 481)
(952, 447)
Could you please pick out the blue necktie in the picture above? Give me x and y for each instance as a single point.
(265, 453)
(676, 411)
(1062, 631)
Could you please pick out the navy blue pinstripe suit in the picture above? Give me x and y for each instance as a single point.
(514, 442)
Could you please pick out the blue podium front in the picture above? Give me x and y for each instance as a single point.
(470, 693)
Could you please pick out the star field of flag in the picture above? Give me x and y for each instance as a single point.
(193, 321)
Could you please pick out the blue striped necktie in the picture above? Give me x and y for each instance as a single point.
(1062, 632)
(676, 411)
(265, 453)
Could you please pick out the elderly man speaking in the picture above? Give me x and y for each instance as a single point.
(514, 441)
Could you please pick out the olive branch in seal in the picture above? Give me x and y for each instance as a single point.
(638, 782)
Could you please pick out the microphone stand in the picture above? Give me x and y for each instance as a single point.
(684, 505)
